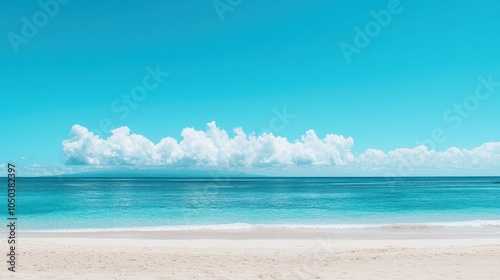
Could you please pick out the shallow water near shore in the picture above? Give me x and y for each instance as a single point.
(173, 204)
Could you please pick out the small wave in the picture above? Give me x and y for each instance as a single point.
(242, 227)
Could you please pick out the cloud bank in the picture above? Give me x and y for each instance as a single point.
(486, 156)
(212, 147)
(215, 148)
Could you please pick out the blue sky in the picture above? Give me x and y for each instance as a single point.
(262, 57)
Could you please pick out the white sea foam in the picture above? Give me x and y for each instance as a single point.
(243, 227)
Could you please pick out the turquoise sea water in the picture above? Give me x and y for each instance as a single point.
(170, 204)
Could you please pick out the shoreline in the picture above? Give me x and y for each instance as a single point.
(275, 234)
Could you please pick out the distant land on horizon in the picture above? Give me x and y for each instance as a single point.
(158, 173)
(214, 174)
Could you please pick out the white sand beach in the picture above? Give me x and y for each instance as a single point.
(265, 255)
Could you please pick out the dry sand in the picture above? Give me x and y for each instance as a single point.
(187, 255)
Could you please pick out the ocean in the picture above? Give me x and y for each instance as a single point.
(107, 204)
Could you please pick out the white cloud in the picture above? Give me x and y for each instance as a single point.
(484, 156)
(215, 148)
(212, 147)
